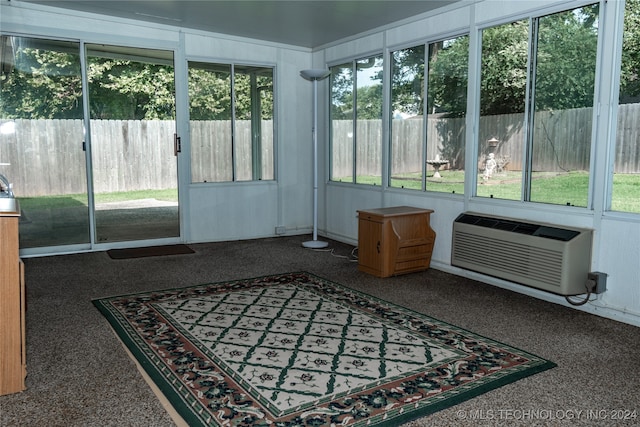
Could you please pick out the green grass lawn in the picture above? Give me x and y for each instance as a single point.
(626, 193)
(560, 189)
(70, 200)
(553, 188)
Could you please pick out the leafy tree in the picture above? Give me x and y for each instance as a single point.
(342, 92)
(565, 73)
(128, 90)
(210, 94)
(566, 59)
(630, 71)
(243, 87)
(448, 76)
(504, 68)
(407, 81)
(567, 44)
(368, 96)
(369, 102)
(47, 84)
(43, 84)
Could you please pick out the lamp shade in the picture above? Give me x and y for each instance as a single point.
(315, 74)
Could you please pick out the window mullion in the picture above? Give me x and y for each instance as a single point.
(530, 109)
(354, 121)
(233, 124)
(425, 114)
(256, 131)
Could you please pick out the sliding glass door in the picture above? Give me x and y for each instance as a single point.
(91, 156)
(41, 139)
(133, 152)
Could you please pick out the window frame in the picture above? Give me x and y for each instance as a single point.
(256, 169)
(617, 20)
(424, 143)
(532, 18)
(376, 56)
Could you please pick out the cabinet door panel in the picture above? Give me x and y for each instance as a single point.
(12, 356)
(370, 246)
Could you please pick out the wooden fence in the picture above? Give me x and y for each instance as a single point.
(46, 156)
(211, 151)
(627, 155)
(561, 142)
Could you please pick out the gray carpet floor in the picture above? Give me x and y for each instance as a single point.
(79, 375)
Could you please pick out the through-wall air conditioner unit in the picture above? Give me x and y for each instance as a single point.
(548, 257)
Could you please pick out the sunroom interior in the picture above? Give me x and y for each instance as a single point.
(512, 109)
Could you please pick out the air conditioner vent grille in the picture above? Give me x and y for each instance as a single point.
(504, 256)
(547, 257)
(518, 227)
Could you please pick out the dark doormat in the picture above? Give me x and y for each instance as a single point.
(149, 251)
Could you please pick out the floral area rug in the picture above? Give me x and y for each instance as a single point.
(298, 350)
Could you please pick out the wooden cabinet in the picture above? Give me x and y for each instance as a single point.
(394, 240)
(13, 360)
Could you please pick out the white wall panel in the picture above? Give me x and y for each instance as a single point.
(491, 10)
(45, 21)
(618, 255)
(342, 204)
(354, 48)
(202, 45)
(232, 211)
(433, 27)
(295, 150)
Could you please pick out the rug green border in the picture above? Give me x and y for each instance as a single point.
(185, 411)
(174, 399)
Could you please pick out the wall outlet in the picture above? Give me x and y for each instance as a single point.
(597, 282)
(281, 230)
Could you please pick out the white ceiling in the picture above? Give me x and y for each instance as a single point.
(302, 23)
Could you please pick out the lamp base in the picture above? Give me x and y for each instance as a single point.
(315, 244)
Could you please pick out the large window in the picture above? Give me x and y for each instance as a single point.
(429, 155)
(626, 177)
(536, 108)
(231, 122)
(356, 121)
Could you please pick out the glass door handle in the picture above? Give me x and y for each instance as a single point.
(177, 144)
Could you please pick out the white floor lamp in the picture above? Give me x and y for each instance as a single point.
(315, 75)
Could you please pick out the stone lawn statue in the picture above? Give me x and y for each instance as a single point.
(490, 166)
